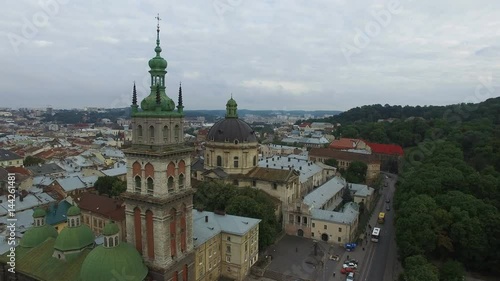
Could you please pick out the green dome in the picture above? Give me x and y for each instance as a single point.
(73, 211)
(39, 213)
(110, 229)
(157, 63)
(231, 102)
(74, 238)
(104, 264)
(37, 235)
(149, 102)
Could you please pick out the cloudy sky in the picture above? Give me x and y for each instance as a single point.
(270, 54)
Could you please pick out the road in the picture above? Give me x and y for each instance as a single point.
(381, 258)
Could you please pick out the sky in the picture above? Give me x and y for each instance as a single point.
(275, 55)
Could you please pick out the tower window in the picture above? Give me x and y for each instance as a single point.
(219, 161)
(181, 181)
(150, 186)
(137, 184)
(139, 131)
(170, 184)
(165, 134)
(152, 133)
(177, 133)
(236, 161)
(255, 160)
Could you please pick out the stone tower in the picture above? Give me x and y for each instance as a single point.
(159, 197)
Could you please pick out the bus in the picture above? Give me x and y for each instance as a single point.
(381, 217)
(375, 234)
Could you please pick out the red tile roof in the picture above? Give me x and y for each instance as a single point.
(108, 207)
(303, 125)
(19, 170)
(344, 143)
(391, 149)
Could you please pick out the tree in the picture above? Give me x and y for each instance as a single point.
(356, 172)
(347, 196)
(111, 186)
(451, 270)
(32, 160)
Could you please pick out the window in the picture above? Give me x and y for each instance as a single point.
(165, 133)
(304, 220)
(312, 234)
(298, 219)
(152, 133)
(137, 184)
(275, 186)
(177, 133)
(228, 248)
(254, 183)
(181, 181)
(219, 161)
(255, 160)
(228, 259)
(229, 238)
(340, 229)
(325, 227)
(236, 161)
(339, 240)
(150, 186)
(170, 184)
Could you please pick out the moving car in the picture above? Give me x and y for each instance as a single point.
(388, 208)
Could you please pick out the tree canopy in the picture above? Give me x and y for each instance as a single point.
(241, 201)
(111, 186)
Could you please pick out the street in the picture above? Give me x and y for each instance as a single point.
(381, 258)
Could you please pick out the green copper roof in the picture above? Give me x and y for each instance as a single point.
(36, 235)
(231, 108)
(110, 229)
(38, 263)
(73, 211)
(74, 238)
(39, 213)
(122, 262)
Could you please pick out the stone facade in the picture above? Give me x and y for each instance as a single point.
(234, 158)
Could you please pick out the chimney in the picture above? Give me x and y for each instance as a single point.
(206, 218)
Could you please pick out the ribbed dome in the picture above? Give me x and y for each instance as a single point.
(39, 213)
(36, 235)
(74, 238)
(230, 130)
(158, 63)
(110, 229)
(73, 211)
(104, 264)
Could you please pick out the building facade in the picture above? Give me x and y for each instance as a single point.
(159, 197)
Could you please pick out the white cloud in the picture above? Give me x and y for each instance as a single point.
(265, 52)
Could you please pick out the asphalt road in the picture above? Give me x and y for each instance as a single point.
(381, 260)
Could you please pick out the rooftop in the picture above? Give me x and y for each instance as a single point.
(348, 215)
(216, 224)
(306, 168)
(103, 205)
(45, 169)
(7, 155)
(318, 197)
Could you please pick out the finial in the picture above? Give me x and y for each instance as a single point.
(134, 96)
(158, 97)
(180, 95)
(158, 29)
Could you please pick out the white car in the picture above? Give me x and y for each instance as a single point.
(349, 264)
(350, 276)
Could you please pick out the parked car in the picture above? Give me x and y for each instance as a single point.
(350, 276)
(388, 208)
(388, 200)
(346, 270)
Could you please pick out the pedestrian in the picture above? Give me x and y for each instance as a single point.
(347, 256)
(363, 248)
(334, 274)
(296, 249)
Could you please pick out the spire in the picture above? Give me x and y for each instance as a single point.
(134, 96)
(158, 48)
(180, 106)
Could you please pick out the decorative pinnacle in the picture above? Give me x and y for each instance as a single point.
(158, 30)
(158, 97)
(180, 96)
(134, 96)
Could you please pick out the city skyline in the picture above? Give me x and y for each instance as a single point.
(271, 55)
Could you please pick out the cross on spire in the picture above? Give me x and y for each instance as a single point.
(159, 19)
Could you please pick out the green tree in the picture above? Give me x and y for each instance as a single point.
(111, 186)
(32, 160)
(417, 268)
(356, 172)
(451, 270)
(332, 162)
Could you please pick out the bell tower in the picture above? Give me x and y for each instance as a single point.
(159, 197)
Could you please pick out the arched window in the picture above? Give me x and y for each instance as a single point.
(177, 133)
(106, 242)
(77, 221)
(170, 184)
(181, 181)
(116, 240)
(165, 134)
(255, 160)
(207, 160)
(139, 131)
(236, 161)
(152, 133)
(150, 186)
(110, 241)
(137, 184)
(219, 161)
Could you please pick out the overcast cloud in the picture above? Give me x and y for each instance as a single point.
(329, 54)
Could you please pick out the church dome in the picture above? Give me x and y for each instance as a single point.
(231, 130)
(104, 264)
(110, 229)
(74, 238)
(157, 63)
(73, 211)
(37, 234)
